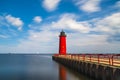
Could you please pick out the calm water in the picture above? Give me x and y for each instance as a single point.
(34, 67)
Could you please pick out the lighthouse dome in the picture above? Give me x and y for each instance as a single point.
(62, 33)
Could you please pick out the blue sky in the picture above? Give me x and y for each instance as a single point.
(92, 26)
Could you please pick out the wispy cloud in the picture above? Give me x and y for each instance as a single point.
(81, 40)
(69, 21)
(10, 26)
(117, 4)
(109, 24)
(43, 41)
(3, 21)
(14, 21)
(88, 5)
(37, 19)
(95, 27)
(50, 5)
(3, 36)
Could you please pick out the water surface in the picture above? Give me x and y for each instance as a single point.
(34, 67)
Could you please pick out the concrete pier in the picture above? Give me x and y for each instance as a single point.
(99, 67)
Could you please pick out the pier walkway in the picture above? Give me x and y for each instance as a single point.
(98, 66)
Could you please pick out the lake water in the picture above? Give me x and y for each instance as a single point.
(34, 67)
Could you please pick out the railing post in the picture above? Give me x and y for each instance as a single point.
(90, 57)
(83, 57)
(112, 59)
(79, 57)
(71, 56)
(109, 59)
(98, 59)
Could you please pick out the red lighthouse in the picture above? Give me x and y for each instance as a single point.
(62, 43)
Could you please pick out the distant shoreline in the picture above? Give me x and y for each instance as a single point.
(27, 53)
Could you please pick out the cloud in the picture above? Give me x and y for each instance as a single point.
(3, 21)
(3, 36)
(50, 5)
(45, 38)
(88, 5)
(109, 24)
(90, 43)
(114, 38)
(48, 42)
(35, 24)
(117, 4)
(44, 41)
(37, 19)
(69, 21)
(8, 26)
(14, 21)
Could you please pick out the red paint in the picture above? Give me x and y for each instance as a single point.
(62, 43)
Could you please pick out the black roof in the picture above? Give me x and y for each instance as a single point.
(62, 33)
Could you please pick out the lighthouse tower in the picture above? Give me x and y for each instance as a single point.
(62, 43)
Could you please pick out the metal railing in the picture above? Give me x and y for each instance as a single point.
(108, 59)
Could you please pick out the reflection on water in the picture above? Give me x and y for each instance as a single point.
(62, 73)
(67, 74)
(34, 67)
